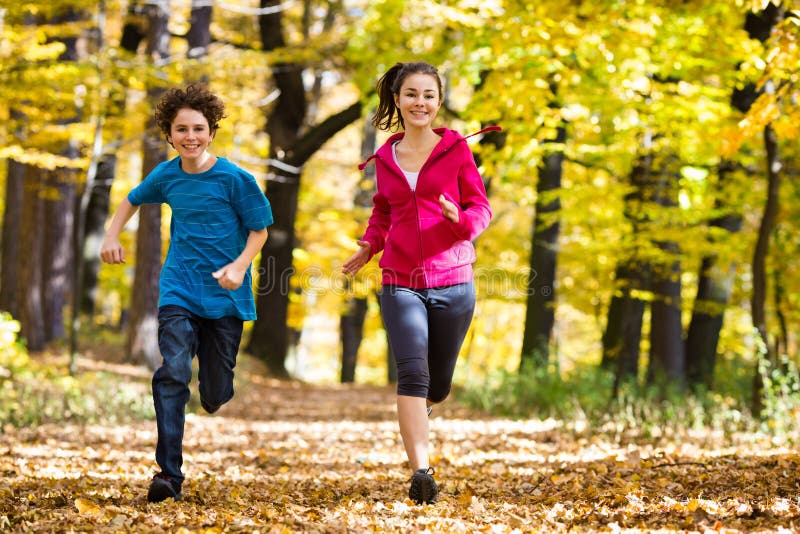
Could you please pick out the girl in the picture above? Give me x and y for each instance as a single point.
(430, 204)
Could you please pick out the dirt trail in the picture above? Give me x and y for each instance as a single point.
(287, 457)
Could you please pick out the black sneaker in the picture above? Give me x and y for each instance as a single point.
(162, 488)
(423, 488)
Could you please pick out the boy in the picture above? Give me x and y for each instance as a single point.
(219, 224)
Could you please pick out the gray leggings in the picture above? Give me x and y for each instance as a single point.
(426, 328)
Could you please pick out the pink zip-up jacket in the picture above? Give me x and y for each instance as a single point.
(421, 247)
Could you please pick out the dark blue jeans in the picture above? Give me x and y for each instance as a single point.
(426, 328)
(181, 335)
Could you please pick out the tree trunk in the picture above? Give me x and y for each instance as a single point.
(540, 302)
(135, 27)
(352, 319)
(713, 293)
(760, 26)
(623, 333)
(781, 345)
(143, 320)
(199, 35)
(269, 340)
(58, 261)
(56, 190)
(31, 258)
(714, 280)
(94, 230)
(143, 325)
(59, 258)
(99, 204)
(352, 328)
(667, 362)
(759, 268)
(270, 337)
(12, 217)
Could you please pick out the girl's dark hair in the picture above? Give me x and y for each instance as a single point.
(388, 117)
(194, 96)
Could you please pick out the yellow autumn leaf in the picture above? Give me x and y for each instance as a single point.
(87, 507)
(465, 497)
(693, 505)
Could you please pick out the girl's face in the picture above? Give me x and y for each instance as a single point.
(418, 100)
(190, 133)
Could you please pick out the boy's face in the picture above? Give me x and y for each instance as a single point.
(190, 133)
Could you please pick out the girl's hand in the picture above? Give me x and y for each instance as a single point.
(359, 259)
(449, 210)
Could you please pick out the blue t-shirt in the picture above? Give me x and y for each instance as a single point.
(213, 213)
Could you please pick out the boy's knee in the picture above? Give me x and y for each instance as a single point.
(174, 371)
(213, 401)
(210, 408)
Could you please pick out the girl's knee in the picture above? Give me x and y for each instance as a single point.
(438, 394)
(413, 379)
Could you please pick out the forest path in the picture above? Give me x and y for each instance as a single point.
(290, 457)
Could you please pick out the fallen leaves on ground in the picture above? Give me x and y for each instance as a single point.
(290, 457)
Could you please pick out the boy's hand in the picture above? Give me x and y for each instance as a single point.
(111, 250)
(229, 277)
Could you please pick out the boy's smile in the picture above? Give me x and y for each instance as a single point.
(190, 135)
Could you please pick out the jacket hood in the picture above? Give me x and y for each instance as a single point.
(449, 138)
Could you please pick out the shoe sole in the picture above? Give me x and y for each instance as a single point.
(161, 491)
(423, 490)
(162, 498)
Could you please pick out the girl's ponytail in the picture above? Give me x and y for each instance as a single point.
(384, 118)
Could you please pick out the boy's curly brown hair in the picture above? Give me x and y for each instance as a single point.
(194, 96)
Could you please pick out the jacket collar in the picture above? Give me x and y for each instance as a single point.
(449, 138)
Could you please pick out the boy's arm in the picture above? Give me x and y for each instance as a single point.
(111, 250)
(231, 276)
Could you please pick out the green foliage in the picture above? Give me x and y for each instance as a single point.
(780, 396)
(653, 413)
(42, 396)
(582, 399)
(541, 393)
(13, 357)
(32, 393)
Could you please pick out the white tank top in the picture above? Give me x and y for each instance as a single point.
(410, 176)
